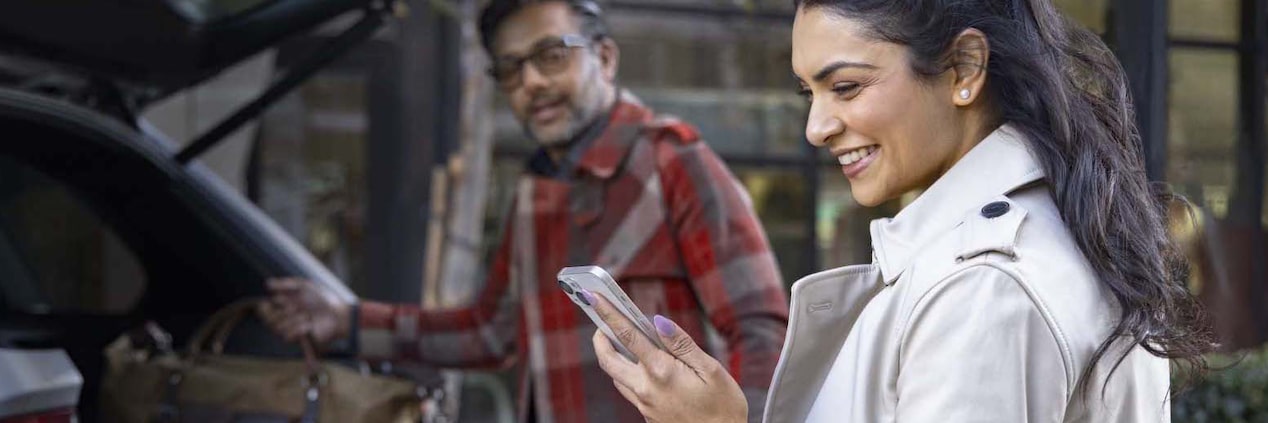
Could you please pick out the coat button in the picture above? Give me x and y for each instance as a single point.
(994, 210)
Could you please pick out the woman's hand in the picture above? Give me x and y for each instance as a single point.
(682, 384)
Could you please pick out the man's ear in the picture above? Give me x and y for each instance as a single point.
(609, 57)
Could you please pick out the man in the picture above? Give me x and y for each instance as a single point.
(612, 186)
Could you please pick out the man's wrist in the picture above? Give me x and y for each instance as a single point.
(347, 332)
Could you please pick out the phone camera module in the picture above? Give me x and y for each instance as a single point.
(567, 289)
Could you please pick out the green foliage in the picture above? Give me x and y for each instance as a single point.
(1236, 392)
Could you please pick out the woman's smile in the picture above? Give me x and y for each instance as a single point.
(855, 161)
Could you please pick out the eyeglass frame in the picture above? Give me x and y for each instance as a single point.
(568, 40)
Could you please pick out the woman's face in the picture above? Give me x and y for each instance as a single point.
(893, 131)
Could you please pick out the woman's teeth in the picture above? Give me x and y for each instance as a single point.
(856, 155)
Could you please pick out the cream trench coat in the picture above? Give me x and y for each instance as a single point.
(979, 307)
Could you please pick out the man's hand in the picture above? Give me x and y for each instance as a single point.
(299, 308)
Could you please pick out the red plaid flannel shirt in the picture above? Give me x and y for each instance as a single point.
(673, 226)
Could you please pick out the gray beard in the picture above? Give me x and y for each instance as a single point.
(575, 127)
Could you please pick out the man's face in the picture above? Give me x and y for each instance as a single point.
(570, 90)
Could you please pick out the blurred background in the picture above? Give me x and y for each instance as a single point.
(393, 165)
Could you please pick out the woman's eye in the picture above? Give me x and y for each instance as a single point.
(805, 94)
(846, 90)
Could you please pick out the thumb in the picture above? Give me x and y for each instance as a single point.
(679, 344)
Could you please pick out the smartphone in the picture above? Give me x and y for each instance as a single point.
(596, 280)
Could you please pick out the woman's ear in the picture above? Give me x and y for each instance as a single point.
(970, 55)
(609, 57)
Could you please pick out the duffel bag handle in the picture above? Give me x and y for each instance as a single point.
(234, 310)
(217, 328)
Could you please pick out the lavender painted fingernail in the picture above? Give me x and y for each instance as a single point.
(588, 296)
(664, 326)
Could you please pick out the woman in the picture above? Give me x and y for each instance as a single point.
(1031, 280)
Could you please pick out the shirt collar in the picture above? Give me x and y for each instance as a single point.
(600, 150)
(998, 165)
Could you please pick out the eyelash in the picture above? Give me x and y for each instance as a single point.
(841, 90)
(804, 93)
(845, 89)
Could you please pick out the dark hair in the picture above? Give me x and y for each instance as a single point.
(588, 13)
(1060, 85)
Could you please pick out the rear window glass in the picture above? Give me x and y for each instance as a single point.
(55, 254)
(210, 10)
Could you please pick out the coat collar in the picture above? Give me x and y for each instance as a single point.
(998, 165)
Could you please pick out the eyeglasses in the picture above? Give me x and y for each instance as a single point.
(549, 58)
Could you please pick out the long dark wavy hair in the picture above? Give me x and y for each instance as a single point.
(1060, 85)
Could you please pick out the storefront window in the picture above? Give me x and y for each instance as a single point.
(781, 202)
(842, 227)
(1203, 133)
(1090, 13)
(1206, 20)
(312, 176)
(746, 124)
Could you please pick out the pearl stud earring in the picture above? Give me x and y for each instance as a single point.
(965, 93)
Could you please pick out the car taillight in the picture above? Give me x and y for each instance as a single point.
(57, 416)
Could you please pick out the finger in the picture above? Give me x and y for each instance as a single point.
(284, 285)
(288, 305)
(268, 313)
(626, 333)
(294, 328)
(679, 344)
(613, 363)
(272, 315)
(289, 326)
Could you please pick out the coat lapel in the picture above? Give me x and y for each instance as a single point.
(823, 310)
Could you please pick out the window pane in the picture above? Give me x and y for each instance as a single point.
(687, 50)
(1089, 13)
(312, 170)
(1203, 133)
(210, 10)
(727, 76)
(55, 254)
(779, 197)
(744, 124)
(1212, 20)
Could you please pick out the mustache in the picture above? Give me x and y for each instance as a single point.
(545, 100)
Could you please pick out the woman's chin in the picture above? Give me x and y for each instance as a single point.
(867, 199)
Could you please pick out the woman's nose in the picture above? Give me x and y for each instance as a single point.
(822, 125)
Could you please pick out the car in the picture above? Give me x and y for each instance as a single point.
(39, 386)
(107, 225)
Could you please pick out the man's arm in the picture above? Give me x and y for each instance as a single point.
(729, 262)
(482, 334)
(479, 335)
